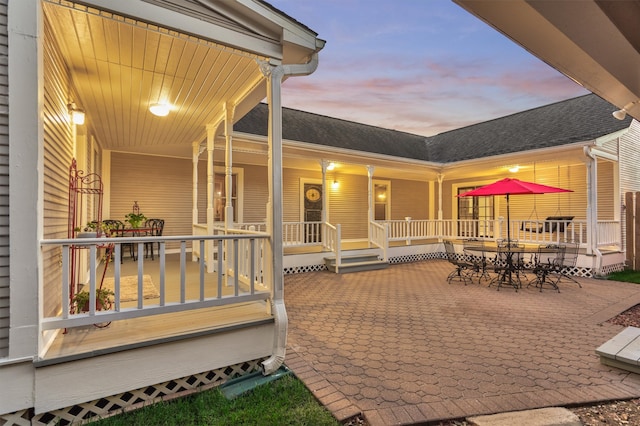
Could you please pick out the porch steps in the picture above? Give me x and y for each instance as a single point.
(622, 351)
(355, 263)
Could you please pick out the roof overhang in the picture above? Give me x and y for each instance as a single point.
(200, 56)
(594, 42)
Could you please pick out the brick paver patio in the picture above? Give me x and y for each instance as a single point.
(402, 346)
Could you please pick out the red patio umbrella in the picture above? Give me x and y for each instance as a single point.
(508, 186)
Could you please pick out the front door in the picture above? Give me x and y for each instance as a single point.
(312, 212)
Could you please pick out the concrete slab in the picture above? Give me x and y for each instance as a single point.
(553, 416)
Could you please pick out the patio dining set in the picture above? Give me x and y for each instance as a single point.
(509, 263)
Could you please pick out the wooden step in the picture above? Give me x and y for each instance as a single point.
(355, 263)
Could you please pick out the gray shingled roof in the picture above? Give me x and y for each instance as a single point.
(584, 118)
(574, 120)
(321, 130)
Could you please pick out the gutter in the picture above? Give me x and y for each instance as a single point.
(281, 325)
(591, 162)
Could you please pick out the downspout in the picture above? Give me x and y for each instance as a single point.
(592, 211)
(275, 75)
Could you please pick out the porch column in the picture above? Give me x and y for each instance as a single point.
(592, 199)
(325, 198)
(370, 170)
(195, 154)
(211, 130)
(431, 207)
(229, 111)
(440, 179)
(440, 227)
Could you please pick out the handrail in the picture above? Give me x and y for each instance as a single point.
(332, 241)
(245, 276)
(379, 233)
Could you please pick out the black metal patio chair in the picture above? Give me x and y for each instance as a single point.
(464, 268)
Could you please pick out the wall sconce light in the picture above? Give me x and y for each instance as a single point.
(160, 109)
(514, 169)
(76, 114)
(335, 184)
(621, 114)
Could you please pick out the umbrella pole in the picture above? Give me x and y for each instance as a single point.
(508, 223)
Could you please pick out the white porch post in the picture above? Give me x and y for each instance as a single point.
(325, 198)
(592, 199)
(210, 194)
(195, 153)
(440, 224)
(229, 111)
(370, 170)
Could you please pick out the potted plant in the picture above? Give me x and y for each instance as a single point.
(103, 300)
(93, 229)
(135, 219)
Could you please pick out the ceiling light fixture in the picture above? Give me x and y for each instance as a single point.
(76, 114)
(331, 166)
(621, 114)
(160, 109)
(514, 169)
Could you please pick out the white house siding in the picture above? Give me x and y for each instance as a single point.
(538, 207)
(607, 196)
(348, 205)
(4, 186)
(161, 186)
(256, 193)
(409, 198)
(58, 152)
(629, 151)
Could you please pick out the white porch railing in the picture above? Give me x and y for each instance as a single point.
(549, 231)
(332, 238)
(379, 236)
(609, 233)
(301, 233)
(525, 231)
(246, 277)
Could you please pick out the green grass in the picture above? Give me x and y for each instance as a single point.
(628, 275)
(285, 401)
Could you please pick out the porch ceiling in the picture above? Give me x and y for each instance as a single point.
(594, 42)
(120, 66)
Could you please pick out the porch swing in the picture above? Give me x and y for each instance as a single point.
(559, 220)
(530, 225)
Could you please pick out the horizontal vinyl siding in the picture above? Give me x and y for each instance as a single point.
(606, 194)
(409, 198)
(162, 187)
(348, 205)
(4, 187)
(630, 159)
(539, 207)
(629, 169)
(256, 193)
(535, 207)
(58, 153)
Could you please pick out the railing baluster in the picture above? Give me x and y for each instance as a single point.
(162, 273)
(66, 303)
(183, 271)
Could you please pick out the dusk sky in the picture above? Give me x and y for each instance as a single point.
(419, 66)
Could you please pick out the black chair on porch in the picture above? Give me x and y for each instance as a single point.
(155, 226)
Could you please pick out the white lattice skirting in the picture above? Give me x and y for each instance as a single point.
(116, 404)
